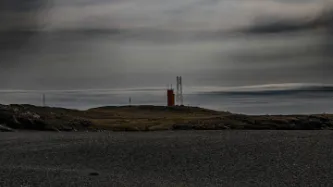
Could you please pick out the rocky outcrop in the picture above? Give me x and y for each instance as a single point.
(244, 122)
(33, 118)
(4, 128)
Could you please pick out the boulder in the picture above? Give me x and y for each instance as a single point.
(4, 128)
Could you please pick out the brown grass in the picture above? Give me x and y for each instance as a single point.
(144, 118)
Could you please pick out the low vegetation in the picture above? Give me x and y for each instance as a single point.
(149, 118)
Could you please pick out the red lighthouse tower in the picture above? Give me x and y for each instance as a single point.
(171, 97)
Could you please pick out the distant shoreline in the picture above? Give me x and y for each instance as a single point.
(150, 118)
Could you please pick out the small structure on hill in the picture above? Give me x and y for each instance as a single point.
(179, 94)
(170, 97)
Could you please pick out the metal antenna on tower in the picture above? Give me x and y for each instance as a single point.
(179, 98)
(181, 91)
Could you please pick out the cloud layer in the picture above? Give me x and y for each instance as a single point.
(116, 43)
(156, 14)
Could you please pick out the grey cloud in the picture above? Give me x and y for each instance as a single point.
(133, 42)
(18, 19)
(276, 25)
(172, 15)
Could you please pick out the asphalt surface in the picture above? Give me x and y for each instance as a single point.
(182, 158)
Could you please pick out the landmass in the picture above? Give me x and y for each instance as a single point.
(150, 118)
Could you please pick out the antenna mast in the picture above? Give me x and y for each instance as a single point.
(179, 98)
(43, 100)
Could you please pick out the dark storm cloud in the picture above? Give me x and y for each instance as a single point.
(276, 25)
(18, 22)
(19, 14)
(320, 52)
(20, 5)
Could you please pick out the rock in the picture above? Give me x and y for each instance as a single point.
(4, 128)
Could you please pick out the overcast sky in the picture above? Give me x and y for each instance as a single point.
(159, 39)
(156, 14)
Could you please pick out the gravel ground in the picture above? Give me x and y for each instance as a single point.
(182, 158)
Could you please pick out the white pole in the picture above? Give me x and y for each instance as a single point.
(181, 90)
(43, 100)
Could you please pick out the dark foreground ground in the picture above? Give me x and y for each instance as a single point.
(168, 158)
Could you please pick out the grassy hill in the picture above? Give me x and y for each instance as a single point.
(150, 118)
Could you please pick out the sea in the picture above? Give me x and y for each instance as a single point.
(256, 100)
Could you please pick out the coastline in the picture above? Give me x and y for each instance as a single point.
(150, 118)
